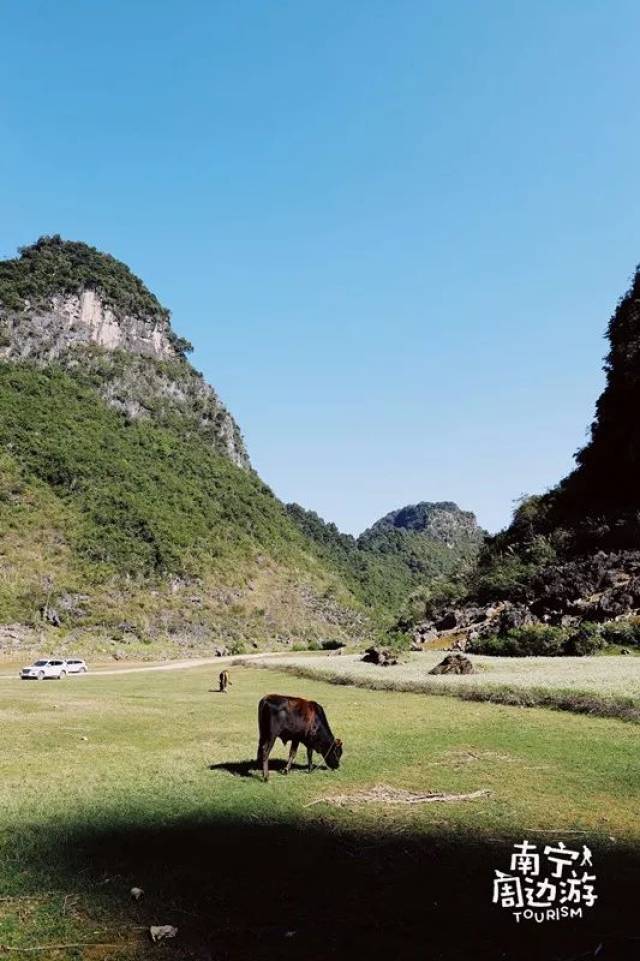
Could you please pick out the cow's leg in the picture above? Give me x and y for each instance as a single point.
(264, 750)
(309, 759)
(292, 756)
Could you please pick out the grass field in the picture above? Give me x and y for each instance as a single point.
(603, 686)
(146, 780)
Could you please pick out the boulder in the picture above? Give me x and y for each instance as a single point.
(447, 622)
(424, 633)
(379, 656)
(51, 616)
(454, 664)
(513, 616)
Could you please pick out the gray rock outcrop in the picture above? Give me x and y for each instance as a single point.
(454, 664)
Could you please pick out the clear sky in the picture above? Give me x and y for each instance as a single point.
(394, 230)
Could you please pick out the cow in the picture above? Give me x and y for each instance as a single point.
(224, 681)
(299, 721)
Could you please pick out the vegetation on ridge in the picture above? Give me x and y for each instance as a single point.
(55, 266)
(597, 507)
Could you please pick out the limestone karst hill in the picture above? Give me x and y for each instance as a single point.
(66, 303)
(565, 572)
(129, 512)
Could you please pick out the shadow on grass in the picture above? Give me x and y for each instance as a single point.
(250, 768)
(312, 891)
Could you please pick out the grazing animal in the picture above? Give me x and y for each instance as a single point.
(299, 721)
(224, 681)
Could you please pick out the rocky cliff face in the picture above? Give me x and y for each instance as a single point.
(67, 303)
(593, 590)
(48, 331)
(142, 386)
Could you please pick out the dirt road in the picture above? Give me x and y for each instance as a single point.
(165, 666)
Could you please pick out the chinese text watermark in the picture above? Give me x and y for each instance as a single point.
(546, 885)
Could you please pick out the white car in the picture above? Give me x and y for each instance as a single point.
(53, 667)
(76, 666)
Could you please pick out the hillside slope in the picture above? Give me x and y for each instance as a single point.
(597, 507)
(564, 577)
(130, 513)
(142, 532)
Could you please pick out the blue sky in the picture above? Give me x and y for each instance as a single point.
(394, 231)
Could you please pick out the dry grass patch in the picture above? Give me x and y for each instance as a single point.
(383, 794)
(601, 686)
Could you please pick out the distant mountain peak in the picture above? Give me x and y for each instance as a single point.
(441, 521)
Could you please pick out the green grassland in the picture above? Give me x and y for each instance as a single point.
(145, 779)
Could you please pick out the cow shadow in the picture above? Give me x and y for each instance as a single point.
(251, 769)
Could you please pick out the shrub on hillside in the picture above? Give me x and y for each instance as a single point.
(397, 641)
(536, 640)
(544, 640)
(501, 575)
(625, 633)
(426, 602)
(331, 644)
(586, 639)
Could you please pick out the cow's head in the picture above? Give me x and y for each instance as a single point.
(333, 755)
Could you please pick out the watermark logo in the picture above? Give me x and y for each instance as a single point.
(546, 885)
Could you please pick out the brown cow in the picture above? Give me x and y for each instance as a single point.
(299, 721)
(224, 681)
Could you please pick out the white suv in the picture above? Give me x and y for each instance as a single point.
(76, 666)
(59, 669)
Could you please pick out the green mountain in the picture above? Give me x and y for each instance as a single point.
(597, 507)
(128, 507)
(405, 551)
